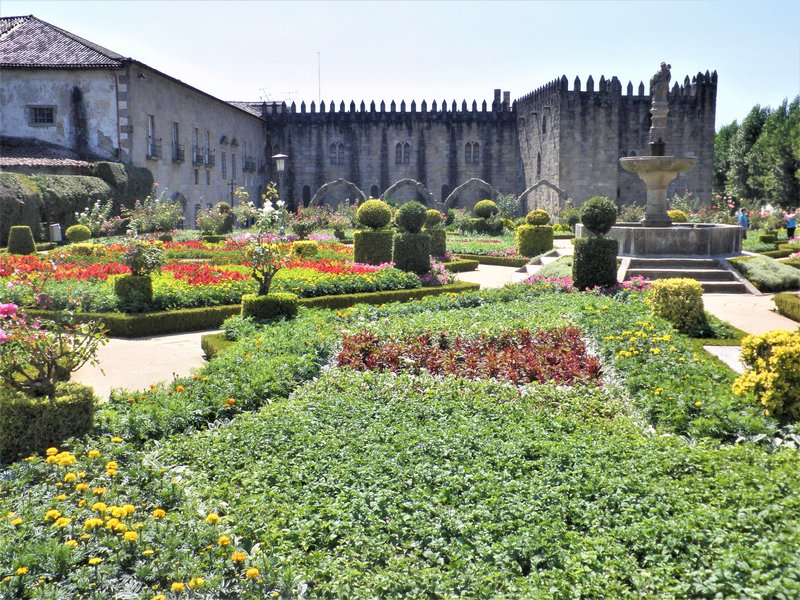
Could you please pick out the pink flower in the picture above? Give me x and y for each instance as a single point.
(8, 310)
(4, 337)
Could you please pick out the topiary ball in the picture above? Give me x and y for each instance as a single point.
(411, 216)
(486, 209)
(537, 217)
(599, 215)
(78, 233)
(374, 214)
(433, 218)
(677, 216)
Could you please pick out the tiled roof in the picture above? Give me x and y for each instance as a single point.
(254, 108)
(28, 42)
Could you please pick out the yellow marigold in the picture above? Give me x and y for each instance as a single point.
(70, 477)
(99, 507)
(66, 459)
(62, 522)
(116, 440)
(131, 400)
(112, 465)
(51, 451)
(159, 597)
(117, 512)
(60, 497)
(238, 557)
(159, 513)
(71, 543)
(30, 458)
(17, 522)
(52, 515)
(82, 487)
(95, 560)
(148, 552)
(252, 573)
(180, 388)
(131, 536)
(212, 518)
(230, 402)
(111, 473)
(22, 571)
(99, 491)
(698, 404)
(86, 536)
(92, 522)
(196, 583)
(223, 540)
(51, 460)
(94, 453)
(129, 509)
(81, 502)
(177, 586)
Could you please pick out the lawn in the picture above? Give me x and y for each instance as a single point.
(338, 456)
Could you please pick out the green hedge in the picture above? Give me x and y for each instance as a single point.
(595, 262)
(412, 252)
(129, 183)
(214, 343)
(788, 304)
(460, 265)
(214, 239)
(20, 240)
(533, 240)
(271, 306)
(135, 292)
(347, 300)
(19, 204)
(29, 425)
(64, 195)
(500, 261)
(372, 247)
(781, 252)
(438, 241)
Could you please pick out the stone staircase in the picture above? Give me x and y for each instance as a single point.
(715, 276)
(537, 263)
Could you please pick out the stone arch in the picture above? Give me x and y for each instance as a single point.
(334, 192)
(402, 189)
(545, 195)
(469, 193)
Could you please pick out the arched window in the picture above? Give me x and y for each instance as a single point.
(398, 154)
(406, 153)
(476, 153)
(374, 191)
(333, 154)
(306, 195)
(544, 124)
(539, 165)
(341, 154)
(468, 153)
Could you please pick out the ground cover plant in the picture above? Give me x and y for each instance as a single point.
(334, 482)
(483, 245)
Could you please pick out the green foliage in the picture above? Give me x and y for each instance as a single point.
(19, 204)
(570, 215)
(507, 206)
(788, 304)
(433, 218)
(214, 239)
(679, 301)
(767, 238)
(30, 424)
(772, 362)
(537, 217)
(484, 209)
(272, 306)
(412, 252)
(214, 343)
(373, 247)
(135, 292)
(534, 240)
(20, 240)
(411, 217)
(500, 261)
(78, 233)
(305, 248)
(154, 213)
(143, 258)
(767, 274)
(461, 265)
(595, 262)
(438, 241)
(490, 226)
(128, 182)
(374, 214)
(62, 196)
(213, 222)
(677, 216)
(630, 213)
(599, 215)
(557, 269)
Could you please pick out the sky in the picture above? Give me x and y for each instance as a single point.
(370, 50)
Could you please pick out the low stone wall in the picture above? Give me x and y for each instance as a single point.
(683, 239)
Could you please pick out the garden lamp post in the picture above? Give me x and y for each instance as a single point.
(280, 167)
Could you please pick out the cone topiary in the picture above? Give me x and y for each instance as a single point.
(374, 214)
(20, 240)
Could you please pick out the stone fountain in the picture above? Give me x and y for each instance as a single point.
(656, 235)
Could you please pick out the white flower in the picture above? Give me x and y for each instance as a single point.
(280, 203)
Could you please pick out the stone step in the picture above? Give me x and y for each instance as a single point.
(699, 274)
(674, 263)
(724, 287)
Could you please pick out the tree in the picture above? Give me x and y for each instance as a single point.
(742, 180)
(722, 158)
(776, 155)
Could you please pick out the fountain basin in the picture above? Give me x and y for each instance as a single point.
(682, 239)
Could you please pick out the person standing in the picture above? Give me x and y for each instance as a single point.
(791, 222)
(744, 223)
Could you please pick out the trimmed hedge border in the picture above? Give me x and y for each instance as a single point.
(214, 343)
(500, 261)
(460, 265)
(211, 317)
(788, 305)
(780, 253)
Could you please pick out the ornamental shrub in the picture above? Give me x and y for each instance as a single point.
(485, 209)
(767, 238)
(143, 258)
(433, 218)
(411, 216)
(78, 233)
(595, 262)
(788, 305)
(374, 214)
(679, 301)
(135, 292)
(772, 372)
(412, 252)
(228, 217)
(766, 274)
(438, 241)
(30, 425)
(373, 247)
(534, 240)
(305, 248)
(271, 306)
(20, 240)
(599, 215)
(570, 216)
(677, 216)
(537, 217)
(490, 226)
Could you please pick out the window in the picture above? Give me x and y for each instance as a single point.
(472, 153)
(197, 176)
(306, 195)
(337, 154)
(544, 124)
(406, 153)
(333, 154)
(208, 177)
(402, 154)
(224, 165)
(233, 166)
(341, 154)
(153, 144)
(539, 165)
(42, 115)
(177, 147)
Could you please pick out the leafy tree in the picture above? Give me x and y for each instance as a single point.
(742, 180)
(776, 155)
(722, 159)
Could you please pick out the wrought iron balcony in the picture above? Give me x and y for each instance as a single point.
(249, 164)
(178, 153)
(210, 158)
(198, 155)
(153, 147)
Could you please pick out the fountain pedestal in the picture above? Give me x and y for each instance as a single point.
(657, 172)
